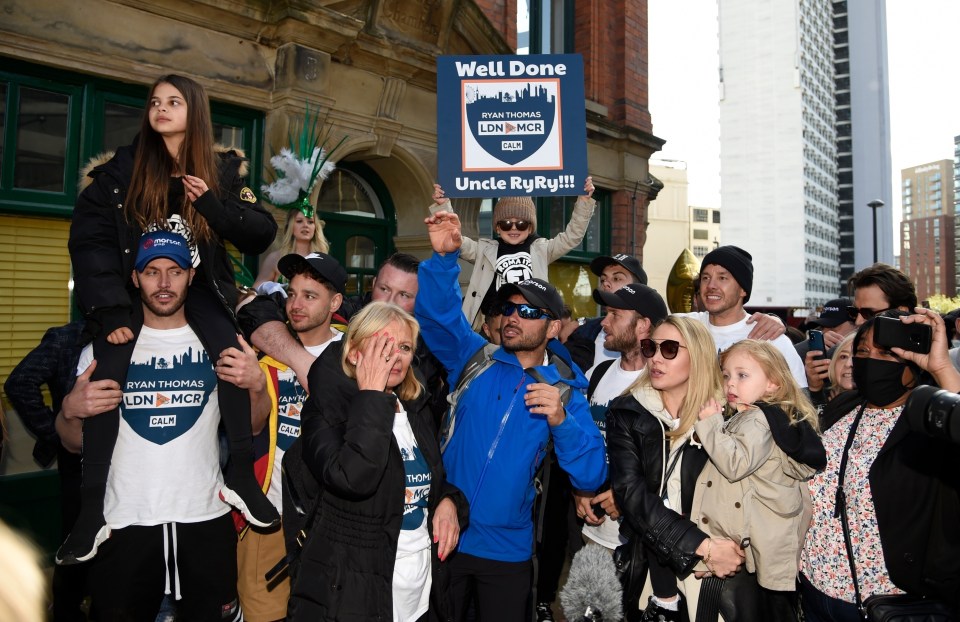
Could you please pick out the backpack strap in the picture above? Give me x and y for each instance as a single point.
(478, 363)
(597, 374)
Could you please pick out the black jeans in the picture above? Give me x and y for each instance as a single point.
(818, 607)
(501, 588)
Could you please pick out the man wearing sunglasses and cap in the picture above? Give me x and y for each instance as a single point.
(502, 424)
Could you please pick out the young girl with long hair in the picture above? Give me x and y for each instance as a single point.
(753, 490)
(173, 177)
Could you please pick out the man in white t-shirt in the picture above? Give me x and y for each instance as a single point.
(632, 312)
(314, 294)
(169, 530)
(726, 280)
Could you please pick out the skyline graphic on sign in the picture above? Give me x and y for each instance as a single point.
(511, 123)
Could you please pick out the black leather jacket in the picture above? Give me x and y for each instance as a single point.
(638, 447)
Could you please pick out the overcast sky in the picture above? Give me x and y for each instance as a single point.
(924, 89)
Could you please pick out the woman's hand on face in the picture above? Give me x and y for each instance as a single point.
(711, 408)
(374, 360)
(446, 528)
(194, 187)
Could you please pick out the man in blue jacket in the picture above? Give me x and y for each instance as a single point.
(504, 421)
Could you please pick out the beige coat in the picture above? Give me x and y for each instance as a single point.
(482, 254)
(751, 489)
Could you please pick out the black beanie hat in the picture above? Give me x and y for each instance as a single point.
(736, 261)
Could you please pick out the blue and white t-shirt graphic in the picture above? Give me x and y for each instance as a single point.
(417, 492)
(290, 399)
(164, 396)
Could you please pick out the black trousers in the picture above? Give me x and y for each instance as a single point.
(69, 585)
(132, 569)
(500, 589)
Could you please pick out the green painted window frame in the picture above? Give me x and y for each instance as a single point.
(88, 97)
(602, 212)
(536, 27)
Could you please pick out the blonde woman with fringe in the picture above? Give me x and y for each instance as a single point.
(753, 489)
(654, 466)
(387, 518)
(301, 235)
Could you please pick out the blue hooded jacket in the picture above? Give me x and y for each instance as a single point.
(491, 418)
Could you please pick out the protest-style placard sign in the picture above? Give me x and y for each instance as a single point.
(511, 125)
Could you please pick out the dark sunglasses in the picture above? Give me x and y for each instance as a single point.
(853, 312)
(668, 348)
(526, 311)
(507, 225)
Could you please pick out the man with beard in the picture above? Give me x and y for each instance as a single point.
(726, 281)
(502, 424)
(168, 526)
(314, 294)
(632, 312)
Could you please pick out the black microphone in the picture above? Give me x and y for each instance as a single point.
(593, 592)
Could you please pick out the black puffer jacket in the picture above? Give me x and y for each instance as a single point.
(103, 244)
(638, 448)
(346, 571)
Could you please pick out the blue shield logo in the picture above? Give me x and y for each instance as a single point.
(510, 120)
(164, 397)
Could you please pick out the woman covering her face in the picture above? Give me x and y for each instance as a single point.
(387, 518)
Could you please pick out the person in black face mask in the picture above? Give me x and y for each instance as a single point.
(898, 489)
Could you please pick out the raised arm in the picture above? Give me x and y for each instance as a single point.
(444, 328)
(572, 235)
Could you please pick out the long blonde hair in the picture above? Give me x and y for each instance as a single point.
(788, 395)
(372, 319)
(318, 243)
(704, 378)
(23, 587)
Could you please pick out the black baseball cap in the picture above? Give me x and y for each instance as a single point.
(834, 313)
(320, 264)
(537, 292)
(632, 265)
(636, 296)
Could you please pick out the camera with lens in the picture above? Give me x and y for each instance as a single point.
(935, 412)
